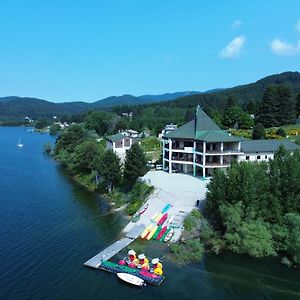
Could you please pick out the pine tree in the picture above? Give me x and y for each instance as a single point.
(267, 111)
(286, 111)
(232, 112)
(135, 164)
(251, 107)
(298, 105)
(258, 132)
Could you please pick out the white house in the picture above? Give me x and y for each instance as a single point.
(120, 143)
(200, 146)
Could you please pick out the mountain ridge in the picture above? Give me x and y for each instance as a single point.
(14, 107)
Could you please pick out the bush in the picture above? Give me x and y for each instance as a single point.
(192, 220)
(192, 250)
(281, 132)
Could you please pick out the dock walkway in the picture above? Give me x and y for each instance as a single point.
(116, 247)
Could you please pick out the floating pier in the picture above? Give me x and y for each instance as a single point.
(116, 247)
(115, 268)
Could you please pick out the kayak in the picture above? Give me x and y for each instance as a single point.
(151, 233)
(169, 235)
(171, 219)
(166, 208)
(163, 219)
(131, 279)
(144, 208)
(162, 232)
(157, 232)
(148, 274)
(157, 218)
(154, 216)
(147, 230)
(164, 235)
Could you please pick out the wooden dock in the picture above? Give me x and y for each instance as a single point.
(116, 247)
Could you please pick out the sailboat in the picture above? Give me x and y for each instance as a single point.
(19, 144)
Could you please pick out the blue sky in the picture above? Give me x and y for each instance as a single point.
(69, 50)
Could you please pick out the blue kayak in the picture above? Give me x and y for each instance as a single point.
(166, 208)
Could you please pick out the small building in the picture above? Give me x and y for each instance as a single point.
(168, 128)
(120, 143)
(131, 133)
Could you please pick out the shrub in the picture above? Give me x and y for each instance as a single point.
(281, 132)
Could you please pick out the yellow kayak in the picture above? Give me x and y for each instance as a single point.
(154, 216)
(150, 235)
(157, 218)
(144, 233)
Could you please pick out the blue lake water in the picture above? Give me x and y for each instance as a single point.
(49, 226)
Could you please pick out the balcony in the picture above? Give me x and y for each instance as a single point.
(182, 158)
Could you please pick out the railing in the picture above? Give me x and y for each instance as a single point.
(182, 158)
(217, 164)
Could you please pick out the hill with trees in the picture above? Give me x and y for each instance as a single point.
(176, 107)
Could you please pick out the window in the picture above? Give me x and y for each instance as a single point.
(258, 157)
(247, 157)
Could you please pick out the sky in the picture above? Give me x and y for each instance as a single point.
(86, 50)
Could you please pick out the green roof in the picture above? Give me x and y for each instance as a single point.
(185, 131)
(202, 128)
(216, 136)
(115, 137)
(253, 146)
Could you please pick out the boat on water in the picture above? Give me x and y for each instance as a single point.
(19, 144)
(132, 279)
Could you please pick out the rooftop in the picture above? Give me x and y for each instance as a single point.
(253, 146)
(202, 128)
(115, 137)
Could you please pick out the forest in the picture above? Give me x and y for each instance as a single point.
(254, 208)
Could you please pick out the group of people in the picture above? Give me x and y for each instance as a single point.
(142, 262)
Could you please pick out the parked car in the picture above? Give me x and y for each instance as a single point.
(159, 167)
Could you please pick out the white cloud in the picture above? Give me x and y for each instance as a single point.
(298, 26)
(281, 47)
(234, 48)
(236, 24)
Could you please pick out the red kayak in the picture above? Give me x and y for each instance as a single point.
(148, 274)
(163, 219)
(144, 208)
(162, 232)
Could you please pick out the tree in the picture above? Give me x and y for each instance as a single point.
(286, 109)
(101, 122)
(84, 155)
(108, 166)
(251, 107)
(69, 139)
(41, 124)
(251, 238)
(245, 121)
(135, 164)
(258, 132)
(298, 105)
(54, 129)
(267, 111)
(232, 116)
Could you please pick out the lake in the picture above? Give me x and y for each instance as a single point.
(49, 226)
